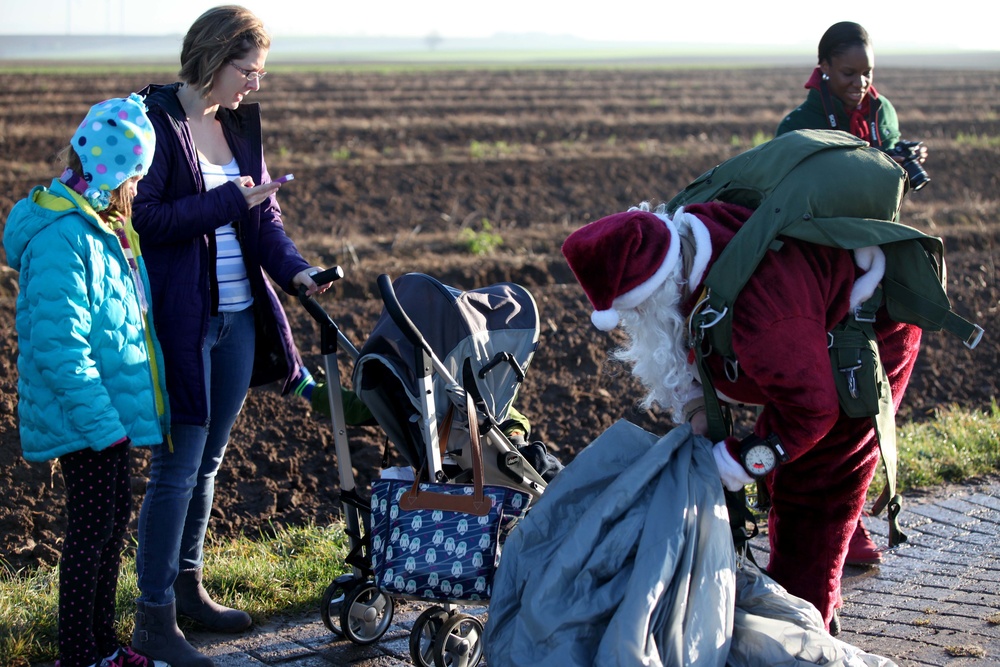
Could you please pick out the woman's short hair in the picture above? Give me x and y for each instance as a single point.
(219, 36)
(840, 37)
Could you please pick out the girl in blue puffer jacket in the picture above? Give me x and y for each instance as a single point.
(89, 366)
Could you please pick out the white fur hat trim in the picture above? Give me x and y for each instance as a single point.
(702, 245)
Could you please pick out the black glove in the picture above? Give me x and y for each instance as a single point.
(546, 464)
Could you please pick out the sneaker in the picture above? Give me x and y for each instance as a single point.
(862, 550)
(126, 657)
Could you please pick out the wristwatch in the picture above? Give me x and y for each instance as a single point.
(760, 456)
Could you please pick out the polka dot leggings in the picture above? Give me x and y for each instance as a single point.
(98, 507)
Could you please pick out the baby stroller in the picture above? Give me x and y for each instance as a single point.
(439, 373)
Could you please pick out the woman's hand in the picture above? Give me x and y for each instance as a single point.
(304, 279)
(921, 155)
(255, 194)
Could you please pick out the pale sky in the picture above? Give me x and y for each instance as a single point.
(935, 24)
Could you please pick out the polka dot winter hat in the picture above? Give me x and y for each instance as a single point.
(115, 142)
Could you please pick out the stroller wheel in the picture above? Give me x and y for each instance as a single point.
(366, 614)
(459, 642)
(333, 602)
(423, 634)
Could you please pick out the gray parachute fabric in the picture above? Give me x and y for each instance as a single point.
(628, 559)
(776, 629)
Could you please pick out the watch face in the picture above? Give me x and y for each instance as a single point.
(759, 460)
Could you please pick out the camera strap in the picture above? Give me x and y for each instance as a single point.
(831, 114)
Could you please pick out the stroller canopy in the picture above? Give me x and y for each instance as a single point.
(493, 330)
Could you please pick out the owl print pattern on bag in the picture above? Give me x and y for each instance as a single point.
(439, 554)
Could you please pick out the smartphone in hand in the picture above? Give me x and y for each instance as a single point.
(285, 178)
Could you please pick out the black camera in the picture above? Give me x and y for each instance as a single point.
(910, 152)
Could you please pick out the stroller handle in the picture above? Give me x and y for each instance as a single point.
(311, 305)
(399, 316)
(331, 335)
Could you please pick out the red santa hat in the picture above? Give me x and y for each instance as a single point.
(621, 260)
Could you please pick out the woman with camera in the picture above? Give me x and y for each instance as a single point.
(841, 97)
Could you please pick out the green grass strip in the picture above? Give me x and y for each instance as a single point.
(286, 571)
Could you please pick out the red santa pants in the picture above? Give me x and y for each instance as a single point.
(817, 498)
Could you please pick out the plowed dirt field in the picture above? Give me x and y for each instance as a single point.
(391, 167)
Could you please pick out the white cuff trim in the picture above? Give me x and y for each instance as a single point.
(734, 476)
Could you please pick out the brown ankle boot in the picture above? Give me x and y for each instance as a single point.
(193, 602)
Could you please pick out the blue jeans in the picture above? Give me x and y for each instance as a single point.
(181, 487)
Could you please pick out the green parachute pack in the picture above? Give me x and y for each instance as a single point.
(830, 188)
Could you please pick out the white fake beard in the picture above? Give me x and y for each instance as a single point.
(657, 351)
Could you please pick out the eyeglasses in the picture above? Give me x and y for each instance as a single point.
(249, 74)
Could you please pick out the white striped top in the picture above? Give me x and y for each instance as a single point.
(231, 272)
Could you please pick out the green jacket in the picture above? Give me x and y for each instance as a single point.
(810, 116)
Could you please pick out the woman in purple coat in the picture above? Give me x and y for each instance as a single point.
(210, 227)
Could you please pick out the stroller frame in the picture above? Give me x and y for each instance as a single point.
(354, 605)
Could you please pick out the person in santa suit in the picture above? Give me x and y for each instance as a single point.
(642, 269)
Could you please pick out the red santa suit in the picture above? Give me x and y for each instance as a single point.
(779, 335)
(780, 321)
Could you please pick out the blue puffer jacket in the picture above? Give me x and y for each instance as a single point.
(85, 372)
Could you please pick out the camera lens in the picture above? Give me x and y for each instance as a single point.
(916, 175)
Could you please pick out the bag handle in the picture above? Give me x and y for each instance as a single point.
(445, 431)
(477, 504)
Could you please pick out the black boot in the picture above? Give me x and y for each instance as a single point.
(193, 602)
(157, 637)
